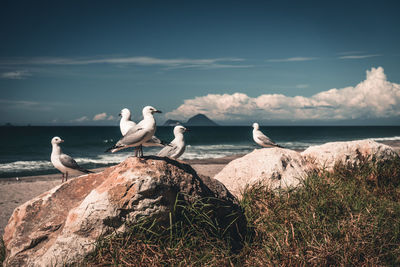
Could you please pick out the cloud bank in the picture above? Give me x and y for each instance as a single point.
(15, 75)
(375, 97)
(102, 117)
(204, 63)
(291, 59)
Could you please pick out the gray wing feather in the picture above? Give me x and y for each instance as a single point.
(133, 136)
(69, 162)
(154, 141)
(266, 140)
(167, 151)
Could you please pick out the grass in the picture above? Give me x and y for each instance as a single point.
(350, 216)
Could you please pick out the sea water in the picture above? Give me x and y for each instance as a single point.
(25, 151)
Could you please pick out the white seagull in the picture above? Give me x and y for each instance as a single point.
(139, 134)
(126, 123)
(63, 162)
(261, 138)
(176, 148)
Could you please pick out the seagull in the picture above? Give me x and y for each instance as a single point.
(261, 138)
(176, 148)
(126, 123)
(138, 134)
(63, 162)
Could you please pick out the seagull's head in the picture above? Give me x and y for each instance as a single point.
(256, 126)
(125, 113)
(56, 140)
(180, 129)
(150, 110)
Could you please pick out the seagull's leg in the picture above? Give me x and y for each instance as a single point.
(66, 176)
(62, 179)
(141, 151)
(136, 152)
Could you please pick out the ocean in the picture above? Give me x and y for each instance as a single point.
(25, 151)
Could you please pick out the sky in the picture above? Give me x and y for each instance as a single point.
(274, 62)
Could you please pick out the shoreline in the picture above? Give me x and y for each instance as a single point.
(14, 193)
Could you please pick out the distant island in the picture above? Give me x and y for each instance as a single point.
(197, 120)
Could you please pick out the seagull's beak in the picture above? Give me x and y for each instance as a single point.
(158, 111)
(61, 141)
(187, 130)
(120, 115)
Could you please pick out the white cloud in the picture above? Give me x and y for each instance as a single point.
(292, 59)
(359, 56)
(143, 61)
(15, 75)
(25, 105)
(374, 97)
(81, 119)
(102, 116)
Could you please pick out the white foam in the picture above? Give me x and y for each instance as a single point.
(392, 138)
(19, 166)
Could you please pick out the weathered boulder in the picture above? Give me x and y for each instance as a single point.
(62, 225)
(326, 156)
(284, 168)
(273, 167)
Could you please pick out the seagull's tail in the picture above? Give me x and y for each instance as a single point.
(114, 148)
(164, 143)
(279, 146)
(85, 171)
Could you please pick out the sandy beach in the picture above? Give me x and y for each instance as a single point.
(13, 193)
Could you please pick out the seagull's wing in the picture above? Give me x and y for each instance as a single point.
(154, 141)
(168, 151)
(265, 139)
(133, 136)
(69, 162)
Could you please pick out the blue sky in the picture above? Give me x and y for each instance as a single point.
(64, 62)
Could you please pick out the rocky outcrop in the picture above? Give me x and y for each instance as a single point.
(274, 167)
(62, 225)
(326, 156)
(284, 168)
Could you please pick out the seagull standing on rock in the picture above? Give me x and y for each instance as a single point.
(261, 138)
(139, 134)
(63, 162)
(126, 123)
(176, 148)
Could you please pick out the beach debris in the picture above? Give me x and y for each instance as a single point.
(60, 227)
(64, 163)
(177, 147)
(261, 139)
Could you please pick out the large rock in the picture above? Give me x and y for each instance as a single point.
(273, 167)
(62, 225)
(284, 168)
(326, 156)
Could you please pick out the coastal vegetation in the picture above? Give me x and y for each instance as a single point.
(350, 216)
